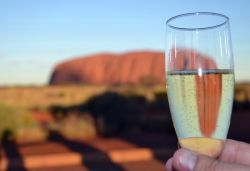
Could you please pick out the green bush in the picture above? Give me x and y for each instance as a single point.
(20, 124)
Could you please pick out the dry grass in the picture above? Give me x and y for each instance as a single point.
(242, 92)
(21, 99)
(77, 127)
(42, 97)
(45, 96)
(18, 124)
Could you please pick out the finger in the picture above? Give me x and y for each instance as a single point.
(236, 152)
(169, 165)
(185, 160)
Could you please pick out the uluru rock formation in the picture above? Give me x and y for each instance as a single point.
(141, 67)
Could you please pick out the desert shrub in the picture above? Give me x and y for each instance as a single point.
(20, 124)
(76, 126)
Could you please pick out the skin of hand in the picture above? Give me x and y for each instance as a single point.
(234, 157)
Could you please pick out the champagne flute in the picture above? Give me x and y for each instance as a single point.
(200, 79)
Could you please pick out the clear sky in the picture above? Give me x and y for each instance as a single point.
(37, 34)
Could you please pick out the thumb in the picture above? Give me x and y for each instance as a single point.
(185, 160)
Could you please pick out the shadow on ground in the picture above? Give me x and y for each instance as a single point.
(12, 154)
(86, 150)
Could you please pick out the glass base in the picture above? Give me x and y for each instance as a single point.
(207, 146)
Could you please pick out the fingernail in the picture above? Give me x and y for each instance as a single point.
(188, 160)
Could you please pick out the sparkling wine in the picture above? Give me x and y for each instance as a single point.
(201, 103)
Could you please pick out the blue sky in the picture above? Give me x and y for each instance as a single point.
(37, 34)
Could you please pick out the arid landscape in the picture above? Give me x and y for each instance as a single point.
(101, 121)
(119, 124)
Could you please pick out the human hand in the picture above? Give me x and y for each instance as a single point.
(234, 157)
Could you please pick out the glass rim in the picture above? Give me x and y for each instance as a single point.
(226, 19)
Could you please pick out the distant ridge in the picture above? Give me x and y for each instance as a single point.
(139, 67)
